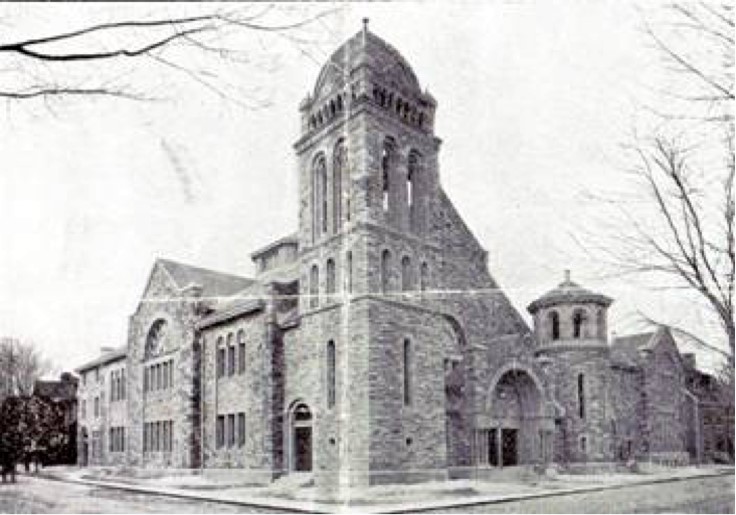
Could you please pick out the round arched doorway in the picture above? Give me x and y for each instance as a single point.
(300, 438)
(518, 431)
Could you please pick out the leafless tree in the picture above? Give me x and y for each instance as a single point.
(21, 364)
(102, 59)
(675, 224)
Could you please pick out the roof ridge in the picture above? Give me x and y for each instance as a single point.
(166, 261)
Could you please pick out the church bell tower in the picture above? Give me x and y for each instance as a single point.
(367, 164)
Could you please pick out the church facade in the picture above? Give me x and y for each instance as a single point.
(373, 345)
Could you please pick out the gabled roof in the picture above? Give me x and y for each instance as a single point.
(290, 239)
(213, 283)
(625, 349)
(104, 359)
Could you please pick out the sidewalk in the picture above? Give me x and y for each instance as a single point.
(378, 499)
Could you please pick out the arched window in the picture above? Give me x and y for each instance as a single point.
(554, 321)
(230, 355)
(578, 323)
(331, 375)
(424, 276)
(387, 158)
(338, 167)
(581, 395)
(385, 271)
(319, 191)
(156, 337)
(412, 176)
(406, 278)
(314, 287)
(349, 272)
(330, 278)
(220, 358)
(407, 372)
(241, 352)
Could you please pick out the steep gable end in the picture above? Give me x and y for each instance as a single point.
(213, 283)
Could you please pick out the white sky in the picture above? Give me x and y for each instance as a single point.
(533, 101)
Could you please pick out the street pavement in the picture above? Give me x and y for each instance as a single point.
(696, 495)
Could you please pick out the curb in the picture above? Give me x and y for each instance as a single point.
(319, 507)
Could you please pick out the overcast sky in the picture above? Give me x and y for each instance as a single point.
(534, 100)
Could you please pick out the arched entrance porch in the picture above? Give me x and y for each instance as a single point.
(517, 427)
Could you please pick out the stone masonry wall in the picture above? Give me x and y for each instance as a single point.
(247, 392)
(162, 301)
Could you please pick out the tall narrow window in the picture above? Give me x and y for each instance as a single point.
(241, 352)
(338, 168)
(319, 197)
(220, 431)
(407, 373)
(330, 279)
(412, 178)
(241, 429)
(220, 358)
(314, 286)
(424, 276)
(581, 395)
(349, 272)
(387, 158)
(123, 393)
(385, 271)
(231, 430)
(331, 374)
(406, 276)
(230, 355)
(554, 320)
(578, 323)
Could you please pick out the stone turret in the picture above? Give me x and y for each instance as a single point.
(570, 317)
(570, 326)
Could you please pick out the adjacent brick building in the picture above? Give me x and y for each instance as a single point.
(373, 345)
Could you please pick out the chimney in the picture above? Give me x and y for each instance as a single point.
(567, 275)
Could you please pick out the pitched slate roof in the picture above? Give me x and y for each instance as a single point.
(213, 283)
(625, 349)
(104, 359)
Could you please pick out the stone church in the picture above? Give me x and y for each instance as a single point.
(373, 345)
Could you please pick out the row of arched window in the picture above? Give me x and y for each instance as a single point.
(408, 274)
(327, 111)
(327, 206)
(330, 279)
(579, 324)
(227, 361)
(407, 358)
(405, 110)
(389, 160)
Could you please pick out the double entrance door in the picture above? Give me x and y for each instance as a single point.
(503, 447)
